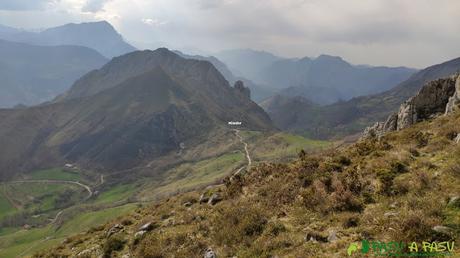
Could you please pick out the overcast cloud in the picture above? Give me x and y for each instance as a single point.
(16, 5)
(379, 32)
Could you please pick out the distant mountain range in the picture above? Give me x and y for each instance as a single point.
(258, 92)
(136, 108)
(349, 117)
(37, 66)
(247, 62)
(323, 80)
(33, 74)
(100, 36)
(328, 79)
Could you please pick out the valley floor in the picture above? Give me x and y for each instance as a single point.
(33, 220)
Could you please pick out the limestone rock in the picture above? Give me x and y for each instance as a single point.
(457, 139)
(314, 236)
(148, 226)
(187, 204)
(432, 100)
(442, 229)
(203, 198)
(454, 101)
(406, 115)
(332, 236)
(429, 102)
(116, 228)
(390, 214)
(454, 201)
(139, 234)
(214, 199)
(210, 253)
(380, 128)
(169, 222)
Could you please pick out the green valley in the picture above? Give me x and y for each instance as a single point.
(51, 223)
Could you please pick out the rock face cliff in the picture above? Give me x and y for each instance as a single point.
(435, 98)
(239, 85)
(454, 101)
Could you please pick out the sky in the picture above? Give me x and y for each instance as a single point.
(414, 33)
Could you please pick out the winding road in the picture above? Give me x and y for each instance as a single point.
(55, 219)
(48, 181)
(87, 188)
(248, 157)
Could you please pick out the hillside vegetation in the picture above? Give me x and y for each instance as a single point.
(198, 167)
(403, 186)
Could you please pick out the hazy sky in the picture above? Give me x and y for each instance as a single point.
(413, 33)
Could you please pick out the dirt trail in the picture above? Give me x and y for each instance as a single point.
(248, 157)
(87, 188)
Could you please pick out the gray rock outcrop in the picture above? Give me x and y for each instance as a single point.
(442, 229)
(214, 199)
(239, 85)
(148, 226)
(115, 229)
(210, 253)
(435, 98)
(454, 101)
(332, 237)
(203, 198)
(454, 201)
(138, 235)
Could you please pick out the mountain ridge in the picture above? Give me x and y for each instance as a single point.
(258, 92)
(353, 116)
(33, 74)
(100, 36)
(133, 118)
(327, 79)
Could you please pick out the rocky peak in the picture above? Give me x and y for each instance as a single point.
(239, 86)
(435, 98)
(136, 63)
(454, 101)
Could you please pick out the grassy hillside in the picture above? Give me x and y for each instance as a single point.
(402, 187)
(281, 146)
(262, 146)
(115, 193)
(55, 174)
(192, 175)
(6, 207)
(18, 242)
(220, 160)
(42, 197)
(36, 197)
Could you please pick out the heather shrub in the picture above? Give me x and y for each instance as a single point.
(236, 224)
(114, 243)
